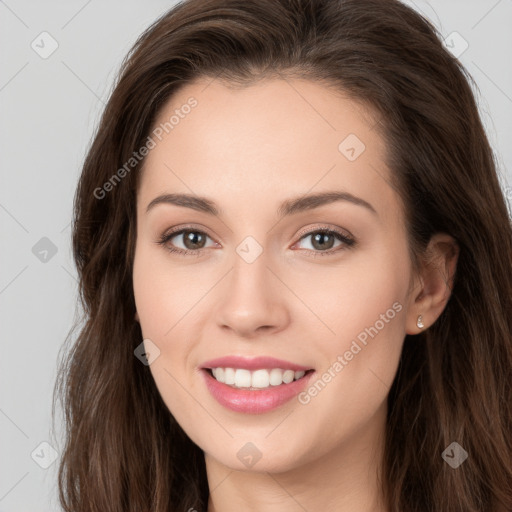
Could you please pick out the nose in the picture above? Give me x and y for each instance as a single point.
(252, 300)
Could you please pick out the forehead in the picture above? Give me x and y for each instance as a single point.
(278, 137)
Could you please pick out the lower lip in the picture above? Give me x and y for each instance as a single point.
(254, 401)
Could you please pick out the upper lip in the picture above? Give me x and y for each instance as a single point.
(252, 363)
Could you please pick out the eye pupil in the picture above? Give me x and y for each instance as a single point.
(193, 236)
(319, 242)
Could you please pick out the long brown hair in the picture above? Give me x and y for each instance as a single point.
(124, 451)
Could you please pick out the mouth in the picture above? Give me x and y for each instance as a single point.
(254, 385)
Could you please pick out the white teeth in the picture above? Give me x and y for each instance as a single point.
(229, 376)
(276, 377)
(219, 374)
(258, 379)
(242, 378)
(288, 376)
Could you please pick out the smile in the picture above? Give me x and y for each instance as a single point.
(254, 385)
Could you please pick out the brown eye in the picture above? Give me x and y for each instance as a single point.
(193, 241)
(323, 240)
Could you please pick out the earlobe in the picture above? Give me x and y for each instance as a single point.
(437, 278)
(137, 319)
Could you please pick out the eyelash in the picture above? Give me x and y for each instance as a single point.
(347, 241)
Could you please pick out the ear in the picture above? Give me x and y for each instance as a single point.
(436, 278)
(137, 319)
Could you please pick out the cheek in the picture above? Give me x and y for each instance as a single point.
(167, 299)
(164, 293)
(367, 315)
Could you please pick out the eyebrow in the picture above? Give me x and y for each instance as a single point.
(288, 207)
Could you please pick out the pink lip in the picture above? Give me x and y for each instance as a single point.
(252, 363)
(254, 401)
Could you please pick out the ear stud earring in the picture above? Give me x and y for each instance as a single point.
(419, 322)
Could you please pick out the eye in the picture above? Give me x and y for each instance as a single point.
(193, 239)
(323, 240)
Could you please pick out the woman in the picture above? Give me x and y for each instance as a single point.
(222, 365)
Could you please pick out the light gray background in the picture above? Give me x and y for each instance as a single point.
(49, 108)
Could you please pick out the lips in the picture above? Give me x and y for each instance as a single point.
(228, 379)
(253, 363)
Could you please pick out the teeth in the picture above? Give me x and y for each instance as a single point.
(229, 376)
(288, 376)
(276, 377)
(219, 375)
(242, 378)
(258, 379)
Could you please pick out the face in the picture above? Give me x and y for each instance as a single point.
(303, 300)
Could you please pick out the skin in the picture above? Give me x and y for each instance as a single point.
(249, 149)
